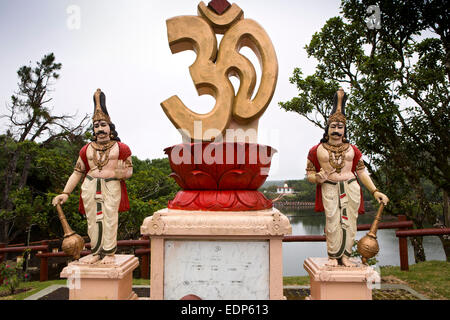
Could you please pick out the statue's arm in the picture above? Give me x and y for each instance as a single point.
(368, 183)
(72, 182)
(316, 177)
(310, 171)
(128, 168)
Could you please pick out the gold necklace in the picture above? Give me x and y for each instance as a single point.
(102, 146)
(103, 153)
(336, 155)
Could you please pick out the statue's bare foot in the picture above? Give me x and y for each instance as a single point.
(332, 262)
(90, 259)
(108, 260)
(346, 262)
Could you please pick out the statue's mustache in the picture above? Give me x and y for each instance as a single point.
(336, 134)
(101, 132)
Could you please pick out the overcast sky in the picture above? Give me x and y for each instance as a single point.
(122, 48)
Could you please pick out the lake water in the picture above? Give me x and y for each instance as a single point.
(308, 222)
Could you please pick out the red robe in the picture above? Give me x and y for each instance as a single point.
(312, 156)
(124, 153)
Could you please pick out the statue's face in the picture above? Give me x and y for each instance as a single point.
(102, 130)
(336, 131)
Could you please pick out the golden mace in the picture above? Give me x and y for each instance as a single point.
(368, 245)
(72, 243)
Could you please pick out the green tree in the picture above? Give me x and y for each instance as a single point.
(149, 189)
(32, 127)
(305, 191)
(272, 188)
(48, 172)
(398, 107)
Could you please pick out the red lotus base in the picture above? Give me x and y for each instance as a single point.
(220, 176)
(215, 200)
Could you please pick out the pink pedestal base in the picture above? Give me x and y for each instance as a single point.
(200, 229)
(339, 283)
(101, 282)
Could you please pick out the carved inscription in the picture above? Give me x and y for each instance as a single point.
(216, 269)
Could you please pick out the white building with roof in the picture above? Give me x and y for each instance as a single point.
(285, 189)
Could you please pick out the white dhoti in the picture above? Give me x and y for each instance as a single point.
(341, 202)
(101, 199)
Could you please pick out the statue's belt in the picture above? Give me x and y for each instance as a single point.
(106, 179)
(335, 183)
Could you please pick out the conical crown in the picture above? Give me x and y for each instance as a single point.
(338, 112)
(100, 112)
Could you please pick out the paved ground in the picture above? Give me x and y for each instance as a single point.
(386, 292)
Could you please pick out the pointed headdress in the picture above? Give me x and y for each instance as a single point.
(100, 112)
(338, 112)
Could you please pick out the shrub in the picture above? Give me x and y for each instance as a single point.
(12, 276)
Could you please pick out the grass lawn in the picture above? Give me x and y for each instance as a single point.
(296, 281)
(36, 286)
(430, 278)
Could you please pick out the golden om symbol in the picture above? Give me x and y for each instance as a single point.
(213, 67)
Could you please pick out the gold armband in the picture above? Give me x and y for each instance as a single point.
(310, 167)
(68, 193)
(360, 165)
(373, 192)
(78, 168)
(128, 164)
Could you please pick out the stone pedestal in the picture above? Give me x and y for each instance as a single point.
(216, 254)
(100, 281)
(340, 283)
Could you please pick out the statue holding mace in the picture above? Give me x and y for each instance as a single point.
(333, 165)
(104, 163)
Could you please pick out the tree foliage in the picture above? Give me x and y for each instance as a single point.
(32, 127)
(149, 189)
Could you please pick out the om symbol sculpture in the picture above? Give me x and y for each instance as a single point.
(213, 67)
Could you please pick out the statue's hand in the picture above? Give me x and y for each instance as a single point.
(322, 175)
(120, 171)
(60, 199)
(381, 197)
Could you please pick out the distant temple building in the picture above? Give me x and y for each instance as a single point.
(285, 189)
